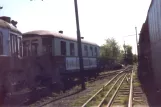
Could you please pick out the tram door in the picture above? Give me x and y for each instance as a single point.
(47, 45)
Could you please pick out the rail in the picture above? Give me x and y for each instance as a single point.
(112, 98)
(100, 104)
(131, 91)
(100, 90)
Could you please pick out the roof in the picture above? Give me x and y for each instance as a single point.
(152, 2)
(146, 20)
(52, 34)
(4, 24)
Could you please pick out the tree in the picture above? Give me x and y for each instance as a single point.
(121, 57)
(128, 54)
(110, 50)
(135, 58)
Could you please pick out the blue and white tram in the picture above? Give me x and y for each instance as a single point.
(63, 50)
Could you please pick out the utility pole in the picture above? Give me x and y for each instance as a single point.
(125, 52)
(79, 46)
(137, 44)
(124, 49)
(136, 39)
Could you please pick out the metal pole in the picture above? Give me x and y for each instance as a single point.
(131, 90)
(137, 45)
(125, 52)
(79, 46)
(136, 40)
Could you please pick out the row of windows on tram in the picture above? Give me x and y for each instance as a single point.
(33, 50)
(14, 44)
(86, 49)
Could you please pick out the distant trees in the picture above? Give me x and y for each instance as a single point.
(135, 58)
(112, 51)
(128, 54)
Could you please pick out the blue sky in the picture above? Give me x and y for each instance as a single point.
(99, 19)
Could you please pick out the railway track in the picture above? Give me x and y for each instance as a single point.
(74, 90)
(138, 96)
(122, 95)
(117, 92)
(124, 90)
(99, 98)
(112, 76)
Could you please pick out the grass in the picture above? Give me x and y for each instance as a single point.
(124, 100)
(81, 100)
(136, 81)
(137, 84)
(135, 75)
(96, 100)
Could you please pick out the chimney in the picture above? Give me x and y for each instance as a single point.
(61, 31)
(5, 18)
(14, 23)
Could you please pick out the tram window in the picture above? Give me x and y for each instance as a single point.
(1, 43)
(85, 50)
(95, 51)
(47, 47)
(91, 48)
(20, 45)
(11, 44)
(14, 44)
(63, 47)
(72, 50)
(34, 47)
(26, 49)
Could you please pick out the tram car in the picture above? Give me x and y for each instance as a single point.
(144, 58)
(57, 54)
(10, 54)
(150, 45)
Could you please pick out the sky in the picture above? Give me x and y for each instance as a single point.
(99, 19)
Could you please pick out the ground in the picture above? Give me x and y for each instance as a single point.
(78, 97)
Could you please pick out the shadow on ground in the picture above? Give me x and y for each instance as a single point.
(30, 97)
(152, 93)
(58, 97)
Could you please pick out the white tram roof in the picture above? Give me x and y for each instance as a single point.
(6, 25)
(44, 33)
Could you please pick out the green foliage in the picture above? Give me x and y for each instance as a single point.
(121, 56)
(110, 50)
(128, 54)
(135, 58)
